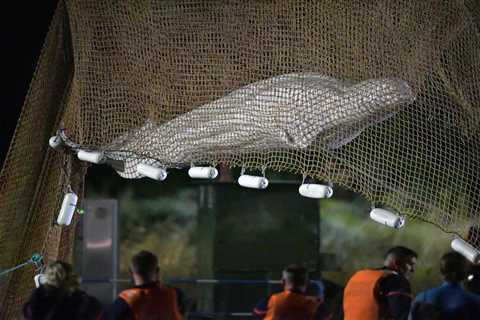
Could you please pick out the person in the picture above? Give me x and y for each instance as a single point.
(293, 302)
(150, 298)
(449, 300)
(58, 297)
(381, 293)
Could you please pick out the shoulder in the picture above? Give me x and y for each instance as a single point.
(119, 302)
(277, 294)
(422, 296)
(131, 296)
(395, 281)
(395, 286)
(367, 275)
(128, 292)
(433, 295)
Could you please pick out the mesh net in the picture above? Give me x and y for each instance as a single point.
(379, 97)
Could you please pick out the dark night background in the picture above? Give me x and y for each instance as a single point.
(23, 37)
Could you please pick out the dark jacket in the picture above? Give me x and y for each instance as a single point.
(51, 303)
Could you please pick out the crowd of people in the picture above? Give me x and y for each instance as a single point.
(370, 294)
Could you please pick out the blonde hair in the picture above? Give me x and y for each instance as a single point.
(60, 274)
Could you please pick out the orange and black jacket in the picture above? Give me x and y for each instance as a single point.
(374, 294)
(291, 305)
(151, 301)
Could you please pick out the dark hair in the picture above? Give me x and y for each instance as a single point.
(60, 274)
(400, 252)
(453, 267)
(296, 275)
(144, 264)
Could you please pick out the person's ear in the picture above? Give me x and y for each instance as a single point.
(396, 264)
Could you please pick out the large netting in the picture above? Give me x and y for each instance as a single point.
(380, 97)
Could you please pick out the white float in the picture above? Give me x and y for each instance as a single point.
(387, 218)
(254, 182)
(315, 191)
(203, 172)
(55, 142)
(67, 210)
(466, 250)
(39, 279)
(91, 156)
(152, 172)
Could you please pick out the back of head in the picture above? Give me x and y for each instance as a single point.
(400, 253)
(402, 260)
(145, 264)
(295, 276)
(453, 267)
(60, 274)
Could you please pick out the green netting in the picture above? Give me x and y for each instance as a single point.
(380, 97)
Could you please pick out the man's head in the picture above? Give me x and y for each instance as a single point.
(453, 267)
(402, 260)
(144, 267)
(295, 277)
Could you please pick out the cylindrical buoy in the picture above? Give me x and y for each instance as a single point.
(39, 279)
(91, 156)
(387, 218)
(466, 250)
(254, 182)
(315, 191)
(203, 172)
(152, 172)
(55, 142)
(68, 209)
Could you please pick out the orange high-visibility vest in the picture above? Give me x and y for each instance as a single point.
(291, 305)
(152, 303)
(360, 297)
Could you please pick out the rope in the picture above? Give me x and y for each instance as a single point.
(36, 260)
